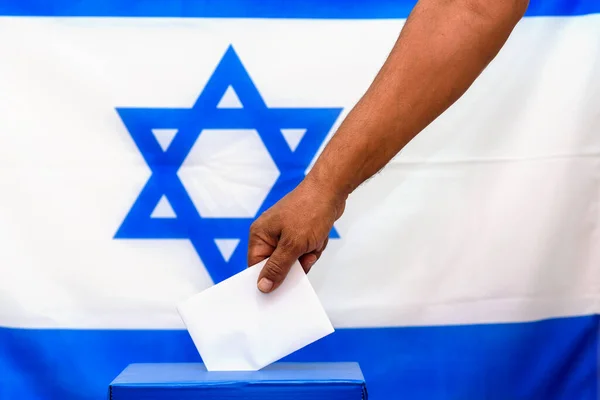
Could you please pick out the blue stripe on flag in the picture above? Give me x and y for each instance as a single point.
(342, 9)
(553, 359)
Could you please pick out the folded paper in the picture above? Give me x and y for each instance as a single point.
(235, 327)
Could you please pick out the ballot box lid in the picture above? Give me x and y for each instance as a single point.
(280, 380)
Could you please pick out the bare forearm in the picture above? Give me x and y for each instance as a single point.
(442, 49)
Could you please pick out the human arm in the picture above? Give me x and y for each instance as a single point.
(443, 47)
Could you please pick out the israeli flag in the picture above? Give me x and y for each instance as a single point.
(139, 140)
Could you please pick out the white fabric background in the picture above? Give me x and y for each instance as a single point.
(490, 215)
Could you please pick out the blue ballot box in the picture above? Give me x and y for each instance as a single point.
(281, 381)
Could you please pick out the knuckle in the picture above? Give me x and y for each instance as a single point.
(258, 231)
(291, 243)
(274, 269)
(255, 227)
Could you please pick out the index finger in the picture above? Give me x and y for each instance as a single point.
(258, 248)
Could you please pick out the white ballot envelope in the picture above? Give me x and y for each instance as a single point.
(235, 327)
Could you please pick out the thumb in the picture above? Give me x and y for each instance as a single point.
(276, 268)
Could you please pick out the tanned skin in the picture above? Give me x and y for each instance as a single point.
(442, 49)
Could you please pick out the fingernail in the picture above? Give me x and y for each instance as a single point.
(311, 259)
(265, 285)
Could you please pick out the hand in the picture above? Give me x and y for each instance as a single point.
(295, 228)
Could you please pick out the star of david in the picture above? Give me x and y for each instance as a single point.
(189, 123)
